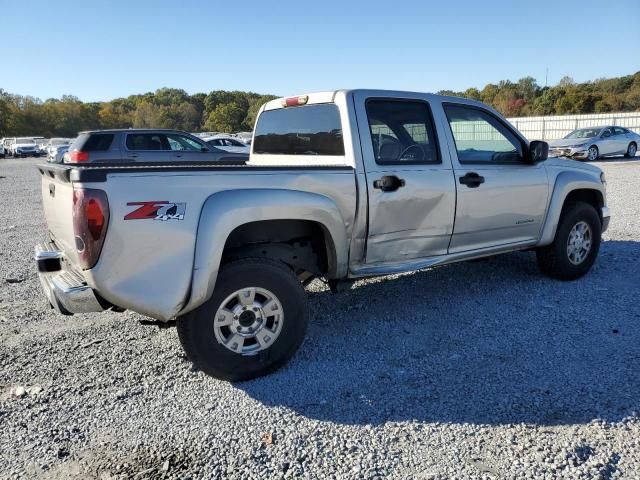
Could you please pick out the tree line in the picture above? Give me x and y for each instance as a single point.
(526, 98)
(219, 111)
(224, 111)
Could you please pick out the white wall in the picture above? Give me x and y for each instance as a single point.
(551, 128)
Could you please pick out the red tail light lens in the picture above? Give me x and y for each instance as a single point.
(90, 220)
(295, 101)
(78, 156)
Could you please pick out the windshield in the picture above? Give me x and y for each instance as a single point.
(584, 133)
(25, 140)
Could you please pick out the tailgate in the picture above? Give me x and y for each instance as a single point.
(57, 203)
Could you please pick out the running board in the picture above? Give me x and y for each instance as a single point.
(420, 263)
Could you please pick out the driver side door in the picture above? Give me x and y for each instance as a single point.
(501, 199)
(187, 149)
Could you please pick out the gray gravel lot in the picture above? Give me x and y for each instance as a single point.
(476, 370)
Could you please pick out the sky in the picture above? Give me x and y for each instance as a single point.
(103, 50)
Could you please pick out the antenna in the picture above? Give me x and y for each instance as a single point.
(546, 77)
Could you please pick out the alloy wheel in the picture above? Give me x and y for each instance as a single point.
(248, 321)
(579, 242)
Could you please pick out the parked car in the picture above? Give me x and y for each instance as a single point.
(592, 143)
(56, 154)
(145, 145)
(226, 250)
(7, 143)
(2, 154)
(52, 145)
(25, 147)
(41, 143)
(228, 144)
(245, 137)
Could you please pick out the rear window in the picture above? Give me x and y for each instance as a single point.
(308, 130)
(95, 142)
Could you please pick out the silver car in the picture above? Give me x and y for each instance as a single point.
(592, 143)
(56, 153)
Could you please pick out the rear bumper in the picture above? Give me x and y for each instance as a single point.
(65, 288)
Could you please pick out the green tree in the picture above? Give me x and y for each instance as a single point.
(227, 117)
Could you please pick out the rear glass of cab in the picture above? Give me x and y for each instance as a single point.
(306, 130)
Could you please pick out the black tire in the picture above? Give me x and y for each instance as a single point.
(196, 329)
(632, 148)
(553, 259)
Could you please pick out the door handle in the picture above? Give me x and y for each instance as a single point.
(388, 183)
(472, 180)
(132, 155)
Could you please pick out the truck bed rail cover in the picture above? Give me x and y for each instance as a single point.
(98, 173)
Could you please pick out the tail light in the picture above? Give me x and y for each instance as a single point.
(90, 220)
(295, 101)
(78, 156)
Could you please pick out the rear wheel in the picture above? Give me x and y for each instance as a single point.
(253, 323)
(593, 153)
(632, 149)
(576, 245)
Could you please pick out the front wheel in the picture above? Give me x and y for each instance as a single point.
(253, 323)
(632, 149)
(576, 245)
(593, 153)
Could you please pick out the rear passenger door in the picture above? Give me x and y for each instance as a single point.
(411, 189)
(501, 199)
(147, 147)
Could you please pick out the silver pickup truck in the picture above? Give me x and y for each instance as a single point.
(339, 185)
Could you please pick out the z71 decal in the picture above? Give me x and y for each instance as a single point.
(161, 210)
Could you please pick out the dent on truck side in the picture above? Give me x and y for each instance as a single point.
(224, 211)
(566, 182)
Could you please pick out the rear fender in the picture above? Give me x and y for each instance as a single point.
(224, 211)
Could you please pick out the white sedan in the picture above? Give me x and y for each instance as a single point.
(228, 144)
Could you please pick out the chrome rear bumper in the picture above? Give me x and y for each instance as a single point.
(65, 288)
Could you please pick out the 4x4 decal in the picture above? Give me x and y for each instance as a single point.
(160, 210)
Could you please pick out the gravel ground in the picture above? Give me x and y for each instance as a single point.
(475, 370)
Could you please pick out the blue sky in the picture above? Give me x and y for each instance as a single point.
(286, 47)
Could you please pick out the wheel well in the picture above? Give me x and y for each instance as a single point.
(592, 197)
(304, 245)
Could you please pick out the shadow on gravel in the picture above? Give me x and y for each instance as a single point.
(490, 342)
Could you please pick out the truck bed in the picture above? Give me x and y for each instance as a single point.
(165, 251)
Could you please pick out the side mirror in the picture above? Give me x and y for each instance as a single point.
(204, 149)
(538, 151)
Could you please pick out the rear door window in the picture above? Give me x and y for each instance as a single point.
(402, 132)
(307, 130)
